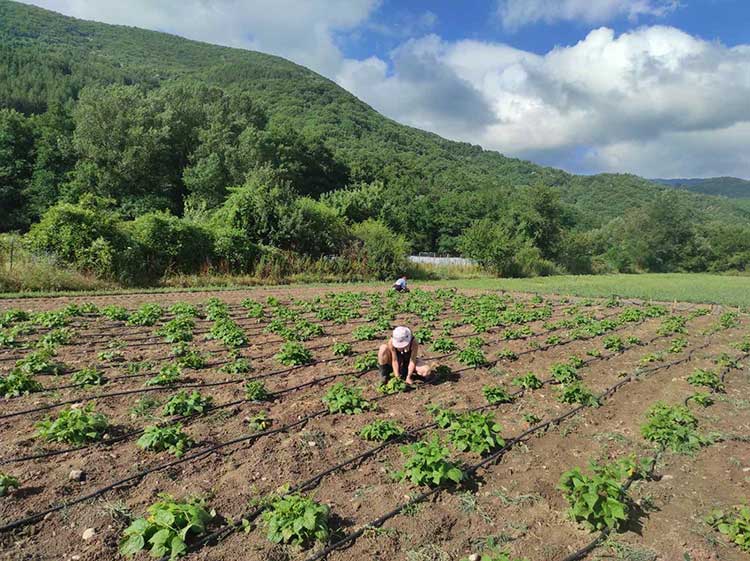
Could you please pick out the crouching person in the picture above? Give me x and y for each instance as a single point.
(399, 357)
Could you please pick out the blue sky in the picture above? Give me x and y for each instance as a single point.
(659, 88)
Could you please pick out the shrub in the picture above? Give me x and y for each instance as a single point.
(341, 399)
(172, 439)
(74, 426)
(382, 252)
(7, 482)
(183, 404)
(427, 464)
(167, 528)
(380, 431)
(297, 520)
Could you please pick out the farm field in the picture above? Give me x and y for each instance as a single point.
(264, 395)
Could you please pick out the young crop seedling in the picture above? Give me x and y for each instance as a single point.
(169, 375)
(40, 362)
(443, 345)
(18, 383)
(167, 529)
(734, 525)
(475, 432)
(193, 359)
(726, 361)
(74, 426)
(254, 309)
(184, 309)
(146, 315)
(707, 379)
(531, 419)
(228, 332)
(614, 343)
(427, 464)
(678, 344)
(423, 335)
(184, 404)
(528, 381)
(673, 426)
(496, 395)
(111, 356)
(578, 393)
(365, 333)
(216, 309)
(341, 399)
(171, 439)
(702, 399)
(115, 313)
(294, 354)
(472, 356)
(392, 386)
(256, 391)
(367, 361)
(507, 354)
(7, 482)
(179, 329)
(341, 349)
(564, 373)
(553, 340)
(239, 365)
(381, 431)
(259, 422)
(88, 377)
(51, 320)
(498, 556)
(297, 520)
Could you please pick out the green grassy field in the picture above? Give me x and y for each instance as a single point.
(686, 287)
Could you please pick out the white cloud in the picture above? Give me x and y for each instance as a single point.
(517, 13)
(301, 31)
(606, 103)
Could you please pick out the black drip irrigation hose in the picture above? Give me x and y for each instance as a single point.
(278, 372)
(490, 459)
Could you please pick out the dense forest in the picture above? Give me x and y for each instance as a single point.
(132, 154)
(732, 187)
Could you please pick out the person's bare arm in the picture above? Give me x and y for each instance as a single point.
(394, 360)
(413, 359)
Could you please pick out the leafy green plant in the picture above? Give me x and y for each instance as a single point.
(254, 309)
(702, 399)
(7, 482)
(167, 528)
(672, 324)
(88, 377)
(62, 336)
(40, 362)
(259, 421)
(531, 418)
(381, 430)
(564, 373)
(427, 464)
(51, 320)
(298, 520)
(179, 329)
(673, 426)
(167, 376)
(239, 365)
(528, 381)
(216, 309)
(734, 525)
(341, 349)
(553, 340)
(498, 556)
(367, 361)
(496, 395)
(18, 383)
(727, 361)
(651, 357)
(472, 356)
(475, 432)
(423, 335)
(115, 313)
(507, 354)
(678, 344)
(341, 399)
(707, 379)
(192, 358)
(614, 343)
(183, 309)
(228, 332)
(444, 345)
(392, 386)
(74, 426)
(171, 439)
(365, 333)
(256, 391)
(147, 314)
(111, 356)
(576, 392)
(294, 354)
(183, 403)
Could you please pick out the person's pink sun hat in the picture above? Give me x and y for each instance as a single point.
(401, 337)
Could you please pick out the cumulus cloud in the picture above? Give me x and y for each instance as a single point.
(518, 13)
(301, 31)
(604, 103)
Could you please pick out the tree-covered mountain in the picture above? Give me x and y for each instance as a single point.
(248, 151)
(732, 187)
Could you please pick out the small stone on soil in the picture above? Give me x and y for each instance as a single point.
(88, 534)
(76, 475)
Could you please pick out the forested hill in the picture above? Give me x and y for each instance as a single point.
(248, 146)
(732, 187)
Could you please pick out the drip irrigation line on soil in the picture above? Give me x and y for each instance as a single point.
(491, 459)
(136, 391)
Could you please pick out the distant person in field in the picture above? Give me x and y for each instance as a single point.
(400, 284)
(399, 357)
